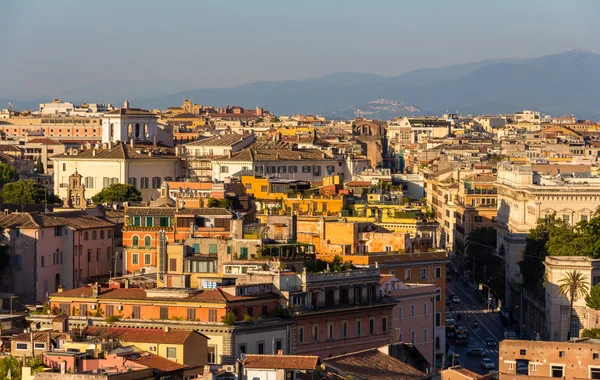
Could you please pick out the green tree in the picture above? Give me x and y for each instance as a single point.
(274, 120)
(7, 174)
(10, 363)
(338, 264)
(212, 202)
(593, 298)
(27, 192)
(591, 333)
(573, 286)
(229, 319)
(226, 203)
(39, 167)
(118, 192)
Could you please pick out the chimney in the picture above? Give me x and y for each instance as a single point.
(131, 142)
(154, 140)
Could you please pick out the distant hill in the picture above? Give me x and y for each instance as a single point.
(565, 83)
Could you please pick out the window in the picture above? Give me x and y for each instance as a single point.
(561, 354)
(533, 367)
(137, 221)
(358, 327)
(423, 273)
(344, 329)
(171, 352)
(478, 219)
(110, 310)
(556, 371)
(212, 315)
(271, 169)
(85, 235)
(101, 234)
(594, 372)
(330, 331)
(306, 169)
(135, 258)
(278, 346)
(371, 326)
(173, 265)
(224, 169)
(400, 312)
(22, 346)
(264, 310)
(132, 181)
(317, 170)
(292, 169)
(136, 312)
(281, 169)
(261, 348)
(407, 274)
(164, 312)
(39, 346)
(413, 336)
(89, 182)
(242, 348)
(384, 324)
(147, 241)
(191, 314)
(388, 248)
(264, 189)
(134, 241)
(212, 249)
(438, 319)
(42, 261)
(144, 182)
(425, 335)
(523, 352)
(412, 310)
(438, 272)
(64, 166)
(98, 254)
(244, 253)
(300, 332)
(155, 182)
(94, 235)
(330, 169)
(596, 356)
(315, 333)
(567, 218)
(149, 221)
(425, 308)
(147, 259)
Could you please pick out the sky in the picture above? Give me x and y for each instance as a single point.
(62, 46)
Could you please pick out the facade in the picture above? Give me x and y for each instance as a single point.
(77, 130)
(525, 196)
(558, 307)
(41, 149)
(540, 360)
(52, 251)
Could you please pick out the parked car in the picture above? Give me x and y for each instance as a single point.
(487, 363)
(490, 342)
(456, 299)
(450, 322)
(477, 351)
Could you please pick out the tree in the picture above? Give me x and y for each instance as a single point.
(7, 174)
(212, 202)
(27, 192)
(229, 319)
(39, 167)
(593, 299)
(591, 333)
(573, 285)
(10, 363)
(338, 264)
(118, 192)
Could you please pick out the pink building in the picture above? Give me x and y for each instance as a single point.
(48, 250)
(413, 317)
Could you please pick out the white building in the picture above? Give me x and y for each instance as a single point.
(527, 116)
(124, 124)
(56, 107)
(558, 307)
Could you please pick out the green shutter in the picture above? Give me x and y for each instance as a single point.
(244, 253)
(196, 248)
(137, 221)
(149, 221)
(212, 249)
(229, 250)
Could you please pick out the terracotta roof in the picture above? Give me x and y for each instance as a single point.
(277, 154)
(158, 363)
(134, 335)
(44, 141)
(9, 148)
(120, 151)
(39, 336)
(358, 184)
(373, 365)
(289, 362)
(383, 278)
(130, 111)
(74, 219)
(185, 115)
(220, 140)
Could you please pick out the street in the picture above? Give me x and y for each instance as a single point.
(489, 326)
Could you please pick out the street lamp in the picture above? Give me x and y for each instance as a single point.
(488, 297)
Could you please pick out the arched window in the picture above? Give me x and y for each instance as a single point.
(129, 131)
(437, 342)
(137, 130)
(146, 134)
(135, 241)
(112, 131)
(148, 241)
(57, 282)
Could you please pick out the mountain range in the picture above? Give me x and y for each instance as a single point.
(565, 83)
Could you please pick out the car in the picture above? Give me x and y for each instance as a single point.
(490, 342)
(450, 322)
(487, 363)
(456, 299)
(477, 351)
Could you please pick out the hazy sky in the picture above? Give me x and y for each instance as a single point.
(54, 46)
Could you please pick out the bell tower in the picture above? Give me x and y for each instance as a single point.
(75, 192)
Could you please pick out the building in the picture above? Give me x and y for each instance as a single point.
(558, 307)
(42, 149)
(271, 367)
(413, 317)
(527, 116)
(526, 194)
(52, 251)
(540, 360)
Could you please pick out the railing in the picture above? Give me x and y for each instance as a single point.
(344, 275)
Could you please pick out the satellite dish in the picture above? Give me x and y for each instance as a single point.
(195, 227)
(242, 356)
(212, 226)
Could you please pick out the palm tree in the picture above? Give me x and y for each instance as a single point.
(573, 286)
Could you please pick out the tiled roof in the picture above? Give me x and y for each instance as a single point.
(44, 141)
(39, 336)
(9, 148)
(120, 151)
(158, 363)
(358, 184)
(133, 335)
(373, 365)
(220, 140)
(277, 154)
(74, 219)
(289, 362)
(130, 111)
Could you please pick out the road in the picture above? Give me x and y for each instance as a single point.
(489, 326)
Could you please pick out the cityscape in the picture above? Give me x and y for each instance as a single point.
(437, 220)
